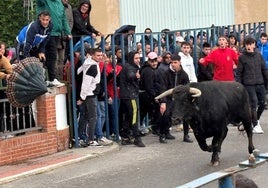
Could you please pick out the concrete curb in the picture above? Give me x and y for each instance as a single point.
(84, 156)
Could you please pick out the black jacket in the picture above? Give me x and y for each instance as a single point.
(204, 73)
(251, 69)
(82, 26)
(148, 80)
(171, 79)
(129, 84)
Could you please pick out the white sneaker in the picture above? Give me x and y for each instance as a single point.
(57, 83)
(257, 129)
(94, 143)
(105, 142)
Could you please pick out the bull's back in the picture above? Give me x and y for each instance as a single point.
(223, 95)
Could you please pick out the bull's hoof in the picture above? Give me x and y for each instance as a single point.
(241, 127)
(215, 163)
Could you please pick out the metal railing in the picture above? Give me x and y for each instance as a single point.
(164, 41)
(15, 121)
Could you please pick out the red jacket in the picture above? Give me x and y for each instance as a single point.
(110, 80)
(223, 60)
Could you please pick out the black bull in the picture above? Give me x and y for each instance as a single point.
(209, 107)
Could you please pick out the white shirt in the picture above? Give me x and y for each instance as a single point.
(187, 64)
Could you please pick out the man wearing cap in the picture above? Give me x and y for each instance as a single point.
(163, 66)
(148, 90)
(174, 76)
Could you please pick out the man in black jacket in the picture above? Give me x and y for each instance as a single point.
(129, 94)
(251, 73)
(174, 76)
(148, 90)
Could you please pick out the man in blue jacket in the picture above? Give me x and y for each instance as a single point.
(262, 45)
(32, 38)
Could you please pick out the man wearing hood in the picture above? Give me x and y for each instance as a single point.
(82, 25)
(129, 94)
(252, 74)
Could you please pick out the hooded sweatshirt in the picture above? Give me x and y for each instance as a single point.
(129, 83)
(82, 25)
(91, 78)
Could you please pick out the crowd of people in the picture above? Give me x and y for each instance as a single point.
(135, 78)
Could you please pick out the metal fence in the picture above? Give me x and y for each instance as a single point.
(15, 121)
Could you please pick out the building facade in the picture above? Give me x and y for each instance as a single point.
(108, 15)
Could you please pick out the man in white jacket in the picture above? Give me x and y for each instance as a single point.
(187, 61)
(88, 95)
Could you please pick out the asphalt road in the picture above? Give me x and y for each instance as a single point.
(155, 166)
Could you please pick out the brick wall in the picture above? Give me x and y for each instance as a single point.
(37, 143)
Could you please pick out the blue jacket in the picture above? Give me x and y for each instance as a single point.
(263, 48)
(32, 36)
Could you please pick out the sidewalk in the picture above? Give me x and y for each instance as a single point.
(35, 166)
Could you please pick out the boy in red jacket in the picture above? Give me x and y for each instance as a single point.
(223, 59)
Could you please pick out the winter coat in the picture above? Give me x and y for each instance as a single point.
(129, 83)
(251, 69)
(172, 79)
(82, 25)
(148, 81)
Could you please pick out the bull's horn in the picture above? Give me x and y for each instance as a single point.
(195, 91)
(166, 93)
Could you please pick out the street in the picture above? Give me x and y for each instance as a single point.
(155, 166)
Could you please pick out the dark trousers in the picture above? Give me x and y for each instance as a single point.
(88, 119)
(150, 107)
(51, 56)
(128, 118)
(257, 101)
(165, 121)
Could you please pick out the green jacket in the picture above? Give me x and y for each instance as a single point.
(58, 17)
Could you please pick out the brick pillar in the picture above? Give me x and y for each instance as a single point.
(49, 140)
(46, 108)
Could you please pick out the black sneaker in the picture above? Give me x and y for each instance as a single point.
(138, 142)
(126, 141)
(162, 139)
(169, 136)
(187, 139)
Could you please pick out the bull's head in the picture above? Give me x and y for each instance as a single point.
(182, 98)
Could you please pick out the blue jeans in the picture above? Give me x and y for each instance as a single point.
(112, 114)
(100, 119)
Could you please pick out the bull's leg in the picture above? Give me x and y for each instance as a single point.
(216, 146)
(202, 143)
(223, 137)
(248, 129)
